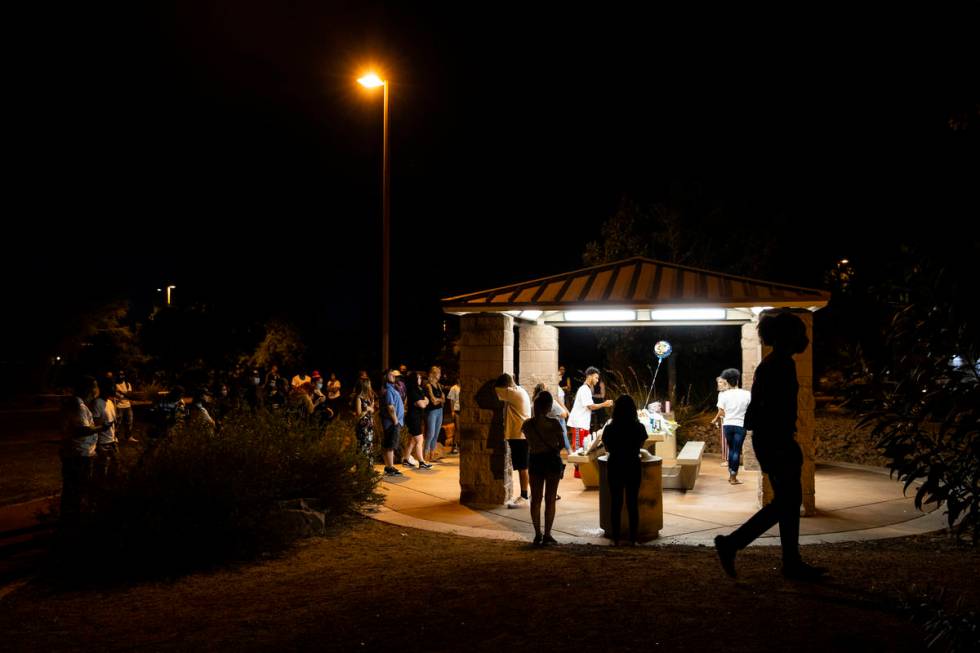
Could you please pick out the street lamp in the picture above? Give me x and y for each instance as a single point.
(169, 288)
(372, 80)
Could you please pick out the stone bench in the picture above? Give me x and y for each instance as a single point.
(684, 474)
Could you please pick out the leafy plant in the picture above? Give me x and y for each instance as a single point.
(922, 394)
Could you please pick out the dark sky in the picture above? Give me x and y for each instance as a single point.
(225, 147)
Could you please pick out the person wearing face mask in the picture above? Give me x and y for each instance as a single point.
(124, 409)
(321, 405)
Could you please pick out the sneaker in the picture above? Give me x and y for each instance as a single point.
(410, 461)
(726, 554)
(803, 572)
(519, 502)
(536, 541)
(547, 539)
(425, 466)
(408, 464)
(391, 471)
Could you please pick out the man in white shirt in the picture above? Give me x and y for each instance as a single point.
(732, 404)
(517, 409)
(81, 433)
(580, 417)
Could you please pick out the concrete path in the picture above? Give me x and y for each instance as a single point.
(854, 503)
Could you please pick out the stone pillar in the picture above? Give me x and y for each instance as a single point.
(806, 417)
(538, 354)
(751, 357)
(805, 412)
(486, 352)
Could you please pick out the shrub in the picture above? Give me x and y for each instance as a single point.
(198, 498)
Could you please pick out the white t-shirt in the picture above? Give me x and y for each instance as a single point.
(123, 390)
(734, 402)
(300, 380)
(517, 410)
(581, 417)
(105, 411)
(77, 414)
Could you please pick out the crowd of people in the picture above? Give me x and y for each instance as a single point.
(425, 406)
(99, 417)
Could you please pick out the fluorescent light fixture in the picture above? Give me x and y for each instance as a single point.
(531, 315)
(758, 309)
(513, 313)
(600, 316)
(688, 314)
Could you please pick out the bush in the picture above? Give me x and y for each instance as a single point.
(921, 394)
(199, 498)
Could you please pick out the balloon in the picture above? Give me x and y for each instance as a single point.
(662, 349)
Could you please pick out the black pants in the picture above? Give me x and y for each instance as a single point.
(784, 475)
(76, 481)
(625, 481)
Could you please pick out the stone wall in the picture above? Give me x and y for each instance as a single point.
(486, 351)
(538, 353)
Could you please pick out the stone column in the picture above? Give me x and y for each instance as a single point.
(538, 353)
(751, 357)
(806, 417)
(486, 352)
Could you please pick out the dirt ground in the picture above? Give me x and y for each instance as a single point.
(371, 586)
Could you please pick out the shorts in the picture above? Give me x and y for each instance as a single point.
(546, 464)
(392, 437)
(518, 454)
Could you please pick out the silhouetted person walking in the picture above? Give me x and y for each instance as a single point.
(623, 438)
(771, 416)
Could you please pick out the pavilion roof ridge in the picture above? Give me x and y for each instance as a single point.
(591, 271)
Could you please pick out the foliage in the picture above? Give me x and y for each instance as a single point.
(198, 498)
(922, 393)
(952, 629)
(282, 346)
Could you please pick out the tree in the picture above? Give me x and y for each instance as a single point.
(921, 392)
(281, 346)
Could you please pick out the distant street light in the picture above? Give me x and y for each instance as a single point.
(372, 80)
(169, 288)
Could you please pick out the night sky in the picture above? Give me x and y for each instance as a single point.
(225, 147)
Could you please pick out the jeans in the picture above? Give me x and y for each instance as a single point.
(433, 424)
(564, 432)
(734, 436)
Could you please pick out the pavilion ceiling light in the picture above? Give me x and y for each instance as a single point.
(531, 315)
(758, 309)
(600, 316)
(675, 314)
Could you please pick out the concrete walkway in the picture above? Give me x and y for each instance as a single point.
(854, 503)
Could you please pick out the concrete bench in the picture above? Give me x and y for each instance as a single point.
(684, 474)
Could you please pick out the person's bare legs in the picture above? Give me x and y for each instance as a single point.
(537, 491)
(550, 502)
(389, 456)
(523, 477)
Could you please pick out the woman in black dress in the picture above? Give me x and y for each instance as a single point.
(414, 418)
(623, 438)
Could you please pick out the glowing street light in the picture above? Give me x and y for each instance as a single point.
(371, 81)
(169, 288)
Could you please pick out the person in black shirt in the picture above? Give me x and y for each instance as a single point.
(623, 438)
(771, 416)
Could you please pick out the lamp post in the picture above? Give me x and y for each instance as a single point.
(372, 80)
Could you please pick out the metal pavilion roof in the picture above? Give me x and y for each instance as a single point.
(636, 284)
